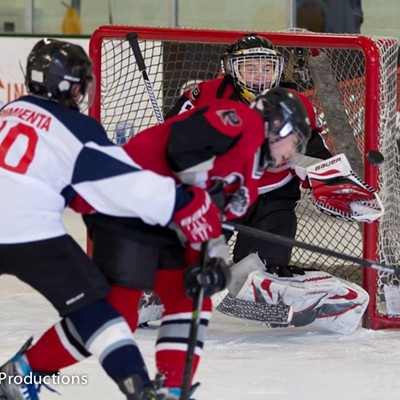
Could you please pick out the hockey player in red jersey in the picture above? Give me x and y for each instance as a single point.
(229, 147)
(251, 65)
(49, 151)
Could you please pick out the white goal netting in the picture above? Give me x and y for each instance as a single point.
(351, 81)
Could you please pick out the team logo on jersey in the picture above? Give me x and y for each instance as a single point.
(240, 201)
(237, 194)
(229, 117)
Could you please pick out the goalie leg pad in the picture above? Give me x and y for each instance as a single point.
(342, 312)
(318, 299)
(241, 270)
(305, 293)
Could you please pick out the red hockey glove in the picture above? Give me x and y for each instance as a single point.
(337, 191)
(199, 220)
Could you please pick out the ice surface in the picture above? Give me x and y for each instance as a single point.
(242, 360)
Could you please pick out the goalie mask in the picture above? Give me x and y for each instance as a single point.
(254, 66)
(59, 71)
(287, 127)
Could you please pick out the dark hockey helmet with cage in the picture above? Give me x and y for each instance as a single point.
(254, 65)
(284, 114)
(54, 67)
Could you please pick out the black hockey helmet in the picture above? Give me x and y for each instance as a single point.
(253, 64)
(284, 114)
(54, 67)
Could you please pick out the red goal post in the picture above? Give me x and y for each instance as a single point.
(351, 80)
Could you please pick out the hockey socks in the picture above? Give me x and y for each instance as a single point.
(126, 301)
(57, 348)
(173, 334)
(64, 348)
(96, 329)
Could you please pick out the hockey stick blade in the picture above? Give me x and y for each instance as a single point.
(288, 242)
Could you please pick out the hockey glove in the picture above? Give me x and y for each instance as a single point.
(213, 277)
(337, 191)
(199, 220)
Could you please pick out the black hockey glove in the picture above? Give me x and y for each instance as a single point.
(213, 277)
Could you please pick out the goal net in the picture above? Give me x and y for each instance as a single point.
(351, 81)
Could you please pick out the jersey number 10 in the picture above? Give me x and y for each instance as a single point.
(21, 158)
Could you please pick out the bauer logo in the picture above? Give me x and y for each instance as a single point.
(329, 163)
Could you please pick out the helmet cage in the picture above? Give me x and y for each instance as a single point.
(254, 70)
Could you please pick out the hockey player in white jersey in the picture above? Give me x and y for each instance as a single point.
(135, 256)
(49, 151)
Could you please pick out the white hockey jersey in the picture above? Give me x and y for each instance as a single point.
(48, 153)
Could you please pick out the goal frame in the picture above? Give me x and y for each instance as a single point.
(372, 319)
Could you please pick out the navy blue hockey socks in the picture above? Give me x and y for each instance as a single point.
(105, 334)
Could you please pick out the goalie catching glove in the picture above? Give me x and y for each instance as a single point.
(336, 190)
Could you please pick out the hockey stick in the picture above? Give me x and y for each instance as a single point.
(288, 242)
(194, 328)
(132, 38)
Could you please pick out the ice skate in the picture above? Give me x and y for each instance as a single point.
(17, 389)
(132, 387)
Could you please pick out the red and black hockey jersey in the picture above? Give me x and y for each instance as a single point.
(222, 88)
(218, 140)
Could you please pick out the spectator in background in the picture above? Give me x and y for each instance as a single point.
(339, 16)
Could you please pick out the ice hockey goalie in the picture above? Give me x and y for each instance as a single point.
(318, 299)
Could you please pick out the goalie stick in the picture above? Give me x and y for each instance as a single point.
(288, 242)
(132, 38)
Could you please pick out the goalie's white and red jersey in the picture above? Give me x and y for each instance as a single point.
(215, 141)
(222, 88)
(48, 153)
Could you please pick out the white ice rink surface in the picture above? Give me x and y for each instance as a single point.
(242, 360)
